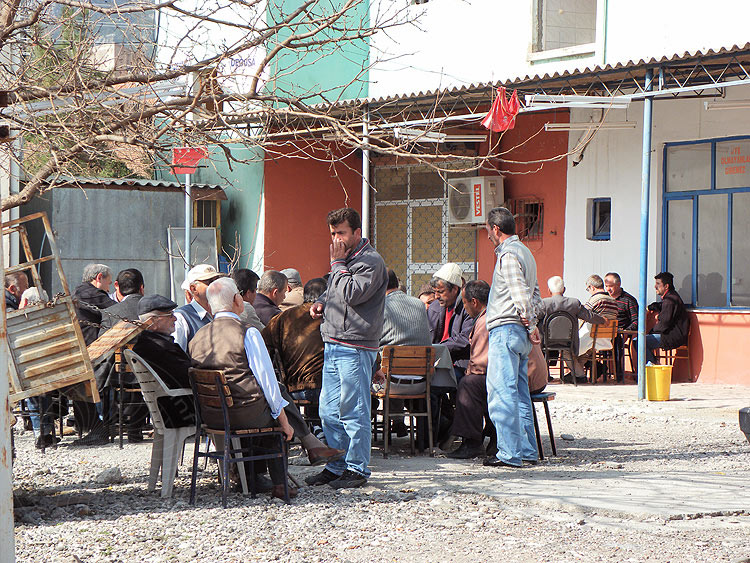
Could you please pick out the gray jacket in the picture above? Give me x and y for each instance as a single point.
(355, 298)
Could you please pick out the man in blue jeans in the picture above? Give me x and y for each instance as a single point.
(352, 311)
(511, 322)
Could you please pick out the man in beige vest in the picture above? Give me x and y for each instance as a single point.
(226, 344)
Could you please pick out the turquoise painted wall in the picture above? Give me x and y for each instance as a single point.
(327, 72)
(243, 185)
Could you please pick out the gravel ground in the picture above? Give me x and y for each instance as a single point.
(419, 508)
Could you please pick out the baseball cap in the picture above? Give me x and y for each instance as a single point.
(292, 275)
(201, 272)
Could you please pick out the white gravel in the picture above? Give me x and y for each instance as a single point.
(575, 507)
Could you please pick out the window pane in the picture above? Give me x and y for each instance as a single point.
(689, 167)
(733, 164)
(741, 250)
(680, 246)
(564, 23)
(712, 250)
(602, 213)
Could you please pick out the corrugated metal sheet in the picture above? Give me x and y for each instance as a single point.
(138, 184)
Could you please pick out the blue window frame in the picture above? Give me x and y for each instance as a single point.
(706, 226)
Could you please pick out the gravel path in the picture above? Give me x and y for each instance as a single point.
(599, 500)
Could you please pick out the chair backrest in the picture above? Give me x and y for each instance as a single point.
(210, 389)
(607, 330)
(409, 360)
(560, 331)
(152, 387)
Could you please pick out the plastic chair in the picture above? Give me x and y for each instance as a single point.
(210, 389)
(168, 442)
(560, 333)
(412, 361)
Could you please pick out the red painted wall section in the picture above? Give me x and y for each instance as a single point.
(717, 354)
(299, 192)
(544, 180)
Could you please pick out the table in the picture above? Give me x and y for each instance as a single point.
(445, 375)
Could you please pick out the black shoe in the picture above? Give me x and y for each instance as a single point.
(93, 438)
(46, 441)
(492, 447)
(494, 462)
(135, 436)
(399, 428)
(348, 480)
(322, 478)
(468, 449)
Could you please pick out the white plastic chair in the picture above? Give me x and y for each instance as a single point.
(168, 442)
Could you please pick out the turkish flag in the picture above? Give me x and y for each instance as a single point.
(502, 114)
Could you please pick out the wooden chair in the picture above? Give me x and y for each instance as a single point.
(168, 442)
(413, 361)
(210, 389)
(607, 331)
(543, 398)
(669, 357)
(560, 334)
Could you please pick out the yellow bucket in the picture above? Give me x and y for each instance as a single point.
(658, 379)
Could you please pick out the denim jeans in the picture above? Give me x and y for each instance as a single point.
(41, 421)
(508, 397)
(653, 342)
(345, 406)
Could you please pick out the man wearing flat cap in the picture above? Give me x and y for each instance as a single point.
(295, 293)
(450, 323)
(195, 314)
(156, 346)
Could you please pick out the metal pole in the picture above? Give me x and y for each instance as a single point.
(7, 551)
(188, 223)
(648, 104)
(366, 175)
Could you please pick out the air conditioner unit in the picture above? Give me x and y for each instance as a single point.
(470, 199)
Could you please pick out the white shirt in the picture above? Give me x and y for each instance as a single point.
(260, 363)
(181, 327)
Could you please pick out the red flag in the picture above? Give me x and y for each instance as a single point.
(502, 114)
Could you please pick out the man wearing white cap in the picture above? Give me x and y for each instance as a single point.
(450, 324)
(195, 314)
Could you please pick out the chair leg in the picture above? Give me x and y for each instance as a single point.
(549, 428)
(536, 431)
(241, 466)
(225, 473)
(157, 461)
(196, 451)
(282, 448)
(429, 426)
(386, 425)
(169, 464)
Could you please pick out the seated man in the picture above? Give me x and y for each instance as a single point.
(295, 336)
(194, 314)
(571, 305)
(603, 305)
(15, 284)
(271, 293)
(157, 347)
(673, 324)
(426, 295)
(226, 344)
(471, 402)
(247, 283)
(450, 324)
(295, 293)
(627, 317)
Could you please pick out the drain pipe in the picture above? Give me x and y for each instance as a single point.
(366, 174)
(648, 104)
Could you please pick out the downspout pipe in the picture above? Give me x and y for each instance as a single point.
(366, 174)
(648, 105)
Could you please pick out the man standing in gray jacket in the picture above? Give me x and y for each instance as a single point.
(352, 311)
(511, 321)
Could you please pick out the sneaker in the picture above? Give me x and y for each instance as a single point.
(322, 478)
(348, 480)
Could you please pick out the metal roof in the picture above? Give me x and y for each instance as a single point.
(693, 68)
(199, 191)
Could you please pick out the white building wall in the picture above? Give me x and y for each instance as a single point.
(457, 42)
(611, 167)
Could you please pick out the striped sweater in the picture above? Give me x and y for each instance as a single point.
(603, 305)
(404, 321)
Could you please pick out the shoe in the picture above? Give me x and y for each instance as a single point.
(322, 478)
(531, 462)
(46, 441)
(321, 456)
(494, 462)
(135, 436)
(348, 480)
(93, 438)
(399, 428)
(278, 492)
(447, 443)
(468, 449)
